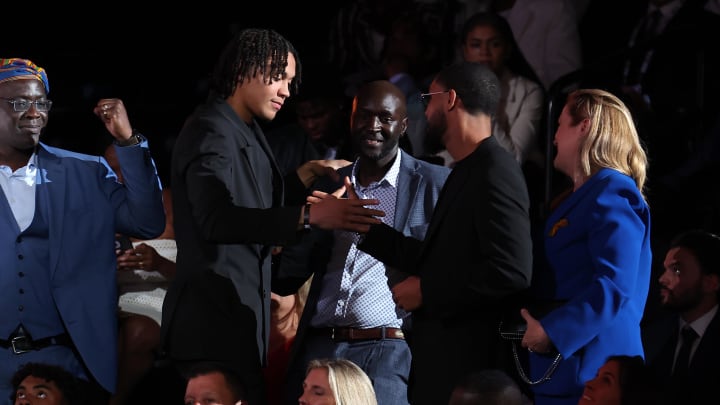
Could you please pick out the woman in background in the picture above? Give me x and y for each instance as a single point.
(487, 38)
(336, 382)
(622, 380)
(597, 249)
(285, 313)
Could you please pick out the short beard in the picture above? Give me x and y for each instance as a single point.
(434, 131)
(686, 302)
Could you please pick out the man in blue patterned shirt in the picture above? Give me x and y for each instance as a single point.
(350, 311)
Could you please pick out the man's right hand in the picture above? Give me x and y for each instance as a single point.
(329, 211)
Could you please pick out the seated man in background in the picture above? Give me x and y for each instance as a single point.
(214, 383)
(681, 349)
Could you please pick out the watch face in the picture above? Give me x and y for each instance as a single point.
(306, 216)
(133, 140)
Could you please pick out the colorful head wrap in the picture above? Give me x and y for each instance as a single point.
(18, 69)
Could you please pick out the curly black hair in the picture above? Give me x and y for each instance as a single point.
(63, 379)
(247, 54)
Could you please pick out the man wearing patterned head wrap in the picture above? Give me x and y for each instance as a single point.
(59, 211)
(16, 69)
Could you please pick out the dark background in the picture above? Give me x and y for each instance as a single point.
(158, 66)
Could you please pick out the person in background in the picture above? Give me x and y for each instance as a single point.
(336, 382)
(488, 387)
(689, 292)
(409, 60)
(319, 130)
(59, 213)
(232, 207)
(487, 38)
(210, 383)
(45, 384)
(622, 380)
(597, 260)
(351, 313)
(144, 271)
(284, 320)
(546, 32)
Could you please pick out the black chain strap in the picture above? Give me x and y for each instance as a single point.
(548, 373)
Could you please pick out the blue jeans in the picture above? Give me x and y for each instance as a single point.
(385, 361)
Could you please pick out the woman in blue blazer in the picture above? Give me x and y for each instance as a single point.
(597, 249)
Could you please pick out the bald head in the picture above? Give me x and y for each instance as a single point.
(378, 121)
(379, 89)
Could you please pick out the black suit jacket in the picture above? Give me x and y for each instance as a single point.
(477, 252)
(660, 339)
(227, 198)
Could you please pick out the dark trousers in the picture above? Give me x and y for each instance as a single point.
(211, 324)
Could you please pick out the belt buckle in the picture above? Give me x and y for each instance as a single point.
(21, 344)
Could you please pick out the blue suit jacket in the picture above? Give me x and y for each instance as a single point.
(86, 207)
(597, 247)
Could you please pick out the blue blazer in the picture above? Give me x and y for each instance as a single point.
(597, 248)
(86, 207)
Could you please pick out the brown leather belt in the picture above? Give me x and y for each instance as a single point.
(354, 334)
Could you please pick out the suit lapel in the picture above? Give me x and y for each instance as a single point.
(276, 176)
(51, 188)
(454, 183)
(407, 187)
(575, 197)
(247, 137)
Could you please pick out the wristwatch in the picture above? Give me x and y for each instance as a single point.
(134, 139)
(306, 217)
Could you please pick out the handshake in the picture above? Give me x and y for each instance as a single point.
(350, 213)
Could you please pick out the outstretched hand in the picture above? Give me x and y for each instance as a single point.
(348, 188)
(331, 211)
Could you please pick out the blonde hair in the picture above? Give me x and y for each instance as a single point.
(348, 382)
(612, 140)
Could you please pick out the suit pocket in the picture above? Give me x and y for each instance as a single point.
(419, 231)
